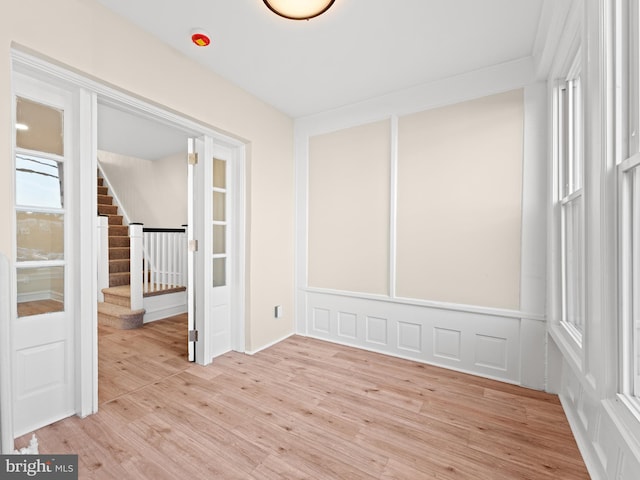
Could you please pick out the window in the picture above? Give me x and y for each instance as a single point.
(569, 144)
(629, 208)
(40, 207)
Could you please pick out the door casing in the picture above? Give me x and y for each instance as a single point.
(87, 93)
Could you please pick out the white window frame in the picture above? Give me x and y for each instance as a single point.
(569, 127)
(628, 165)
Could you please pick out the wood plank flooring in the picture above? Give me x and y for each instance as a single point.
(305, 409)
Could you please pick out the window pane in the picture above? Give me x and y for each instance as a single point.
(219, 173)
(39, 182)
(40, 236)
(219, 239)
(219, 206)
(39, 127)
(40, 290)
(219, 272)
(573, 263)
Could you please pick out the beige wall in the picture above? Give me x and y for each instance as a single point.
(86, 37)
(458, 210)
(459, 202)
(152, 192)
(349, 209)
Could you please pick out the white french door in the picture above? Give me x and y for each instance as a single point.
(216, 283)
(42, 322)
(220, 251)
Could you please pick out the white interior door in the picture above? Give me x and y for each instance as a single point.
(221, 251)
(42, 323)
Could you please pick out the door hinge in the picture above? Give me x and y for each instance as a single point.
(193, 335)
(193, 245)
(193, 158)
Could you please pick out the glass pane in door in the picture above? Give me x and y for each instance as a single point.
(39, 127)
(40, 290)
(39, 182)
(40, 236)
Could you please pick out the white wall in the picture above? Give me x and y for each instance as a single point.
(85, 37)
(501, 342)
(152, 192)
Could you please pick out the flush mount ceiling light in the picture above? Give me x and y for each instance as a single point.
(299, 9)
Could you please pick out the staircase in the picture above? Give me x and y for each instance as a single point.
(116, 311)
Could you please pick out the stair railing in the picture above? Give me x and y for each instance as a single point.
(165, 259)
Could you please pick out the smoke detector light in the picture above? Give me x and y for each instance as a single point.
(200, 38)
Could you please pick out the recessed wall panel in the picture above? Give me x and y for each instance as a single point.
(410, 336)
(349, 209)
(347, 325)
(491, 352)
(321, 320)
(377, 330)
(459, 202)
(447, 343)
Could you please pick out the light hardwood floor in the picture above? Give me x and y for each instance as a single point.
(305, 409)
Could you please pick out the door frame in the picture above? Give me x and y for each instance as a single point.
(87, 93)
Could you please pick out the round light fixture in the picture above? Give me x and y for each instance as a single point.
(298, 9)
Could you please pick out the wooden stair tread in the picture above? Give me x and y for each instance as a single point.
(118, 310)
(125, 291)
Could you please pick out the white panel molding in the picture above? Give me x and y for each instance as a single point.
(164, 306)
(452, 339)
(609, 447)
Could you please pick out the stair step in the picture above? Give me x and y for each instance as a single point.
(117, 279)
(105, 200)
(120, 295)
(115, 219)
(100, 181)
(107, 209)
(118, 241)
(118, 231)
(117, 253)
(120, 317)
(119, 265)
(103, 190)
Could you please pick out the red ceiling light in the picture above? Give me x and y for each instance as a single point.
(298, 9)
(200, 38)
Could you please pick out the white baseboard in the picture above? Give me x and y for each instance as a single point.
(264, 347)
(159, 307)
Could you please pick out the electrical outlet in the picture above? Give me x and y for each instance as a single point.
(277, 311)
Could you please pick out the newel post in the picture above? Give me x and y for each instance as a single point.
(135, 236)
(103, 255)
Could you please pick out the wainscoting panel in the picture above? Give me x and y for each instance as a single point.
(484, 344)
(601, 429)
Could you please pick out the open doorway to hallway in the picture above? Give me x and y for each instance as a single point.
(142, 199)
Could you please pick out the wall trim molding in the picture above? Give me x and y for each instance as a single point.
(456, 307)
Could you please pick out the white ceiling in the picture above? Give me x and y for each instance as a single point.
(357, 50)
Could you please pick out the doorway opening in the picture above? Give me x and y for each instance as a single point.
(80, 368)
